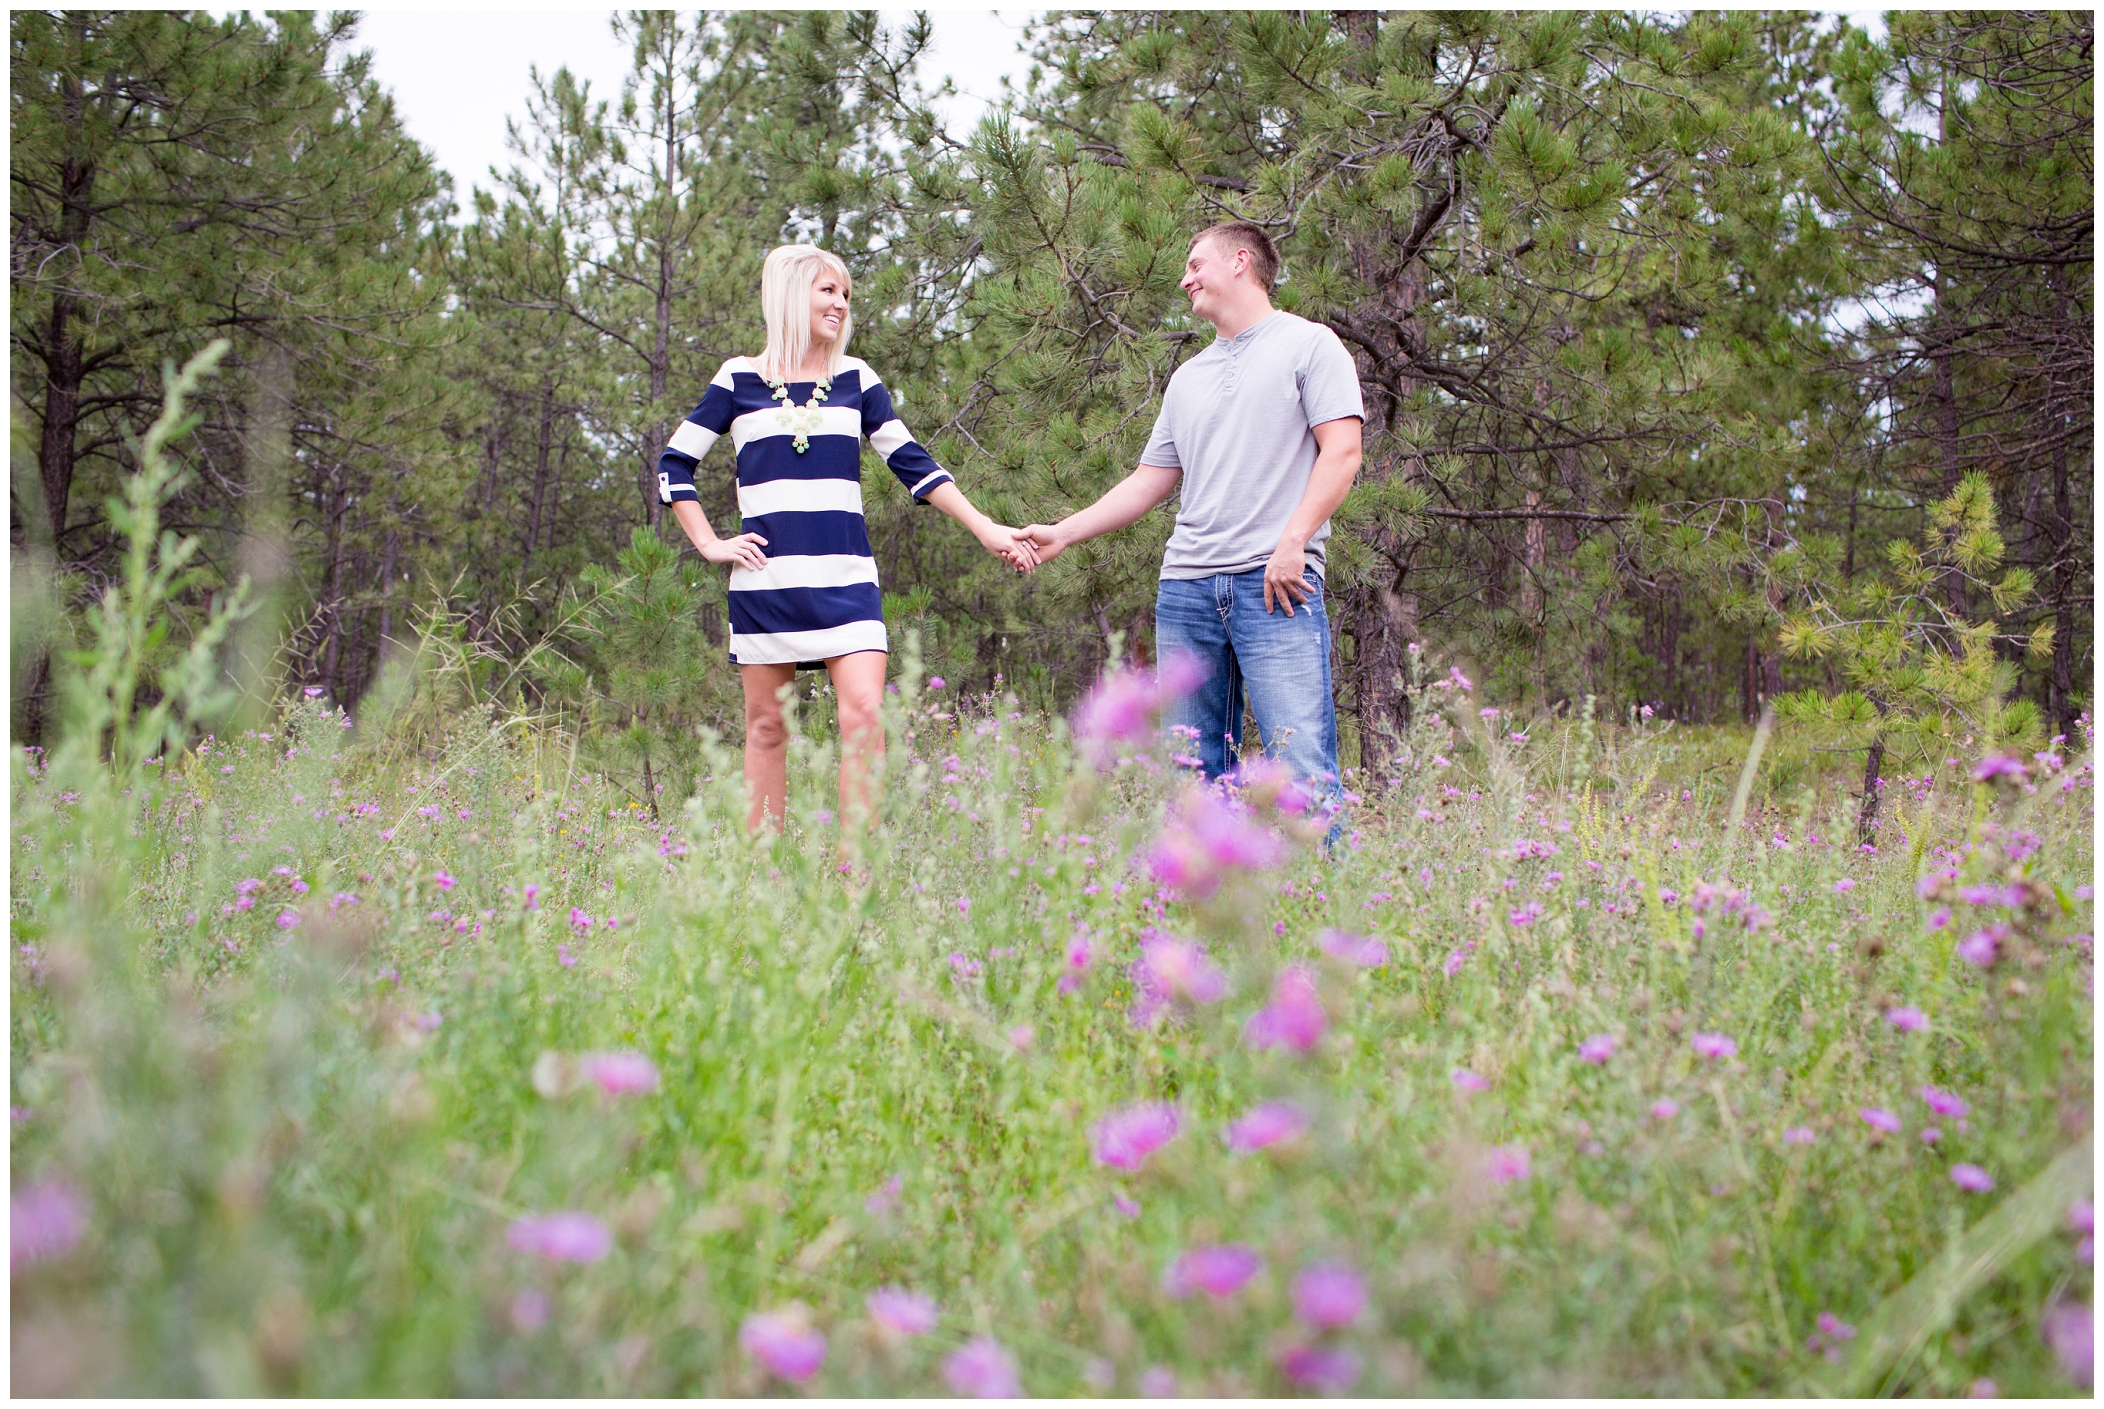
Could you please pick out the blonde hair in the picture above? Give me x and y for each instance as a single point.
(785, 300)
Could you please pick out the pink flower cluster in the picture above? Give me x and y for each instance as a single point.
(1208, 840)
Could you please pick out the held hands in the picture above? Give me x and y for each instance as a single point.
(1043, 539)
(1283, 581)
(1008, 545)
(740, 552)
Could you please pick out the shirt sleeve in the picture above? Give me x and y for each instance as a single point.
(903, 455)
(1161, 444)
(704, 424)
(1329, 381)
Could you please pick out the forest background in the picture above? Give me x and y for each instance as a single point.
(1710, 361)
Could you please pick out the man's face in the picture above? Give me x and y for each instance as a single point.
(1208, 273)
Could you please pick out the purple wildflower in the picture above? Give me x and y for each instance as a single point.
(2000, 765)
(1907, 1019)
(1972, 1178)
(1466, 1080)
(1507, 1164)
(1944, 1103)
(1844, 886)
(902, 1312)
(1294, 1018)
(1125, 1139)
(1206, 841)
(1268, 1124)
(1878, 1118)
(982, 1370)
(1180, 969)
(1665, 1108)
(1079, 956)
(1328, 1294)
(885, 1198)
(1982, 948)
(784, 1342)
(45, 1220)
(1325, 1369)
(2070, 1330)
(619, 1073)
(1219, 1271)
(1126, 1207)
(1799, 1135)
(1712, 1045)
(1346, 948)
(565, 1237)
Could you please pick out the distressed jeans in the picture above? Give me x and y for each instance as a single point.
(1282, 664)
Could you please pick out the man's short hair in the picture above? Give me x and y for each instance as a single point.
(1243, 235)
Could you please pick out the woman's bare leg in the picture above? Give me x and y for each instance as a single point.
(766, 743)
(858, 689)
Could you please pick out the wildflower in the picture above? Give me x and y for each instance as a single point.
(1346, 948)
(1930, 1135)
(935, 682)
(1799, 1135)
(1879, 1118)
(313, 692)
(1128, 1208)
(1981, 948)
(1294, 1018)
(1328, 1294)
(1454, 960)
(901, 1312)
(45, 1220)
(1325, 1369)
(1712, 1045)
(1831, 1332)
(529, 1311)
(1486, 714)
(1022, 1037)
(1667, 896)
(1219, 1271)
(1507, 1164)
(982, 1370)
(563, 1237)
(784, 1342)
(2082, 1218)
(885, 1198)
(532, 896)
(1466, 1080)
(288, 918)
(1944, 1103)
(1665, 1108)
(1999, 765)
(578, 919)
(1645, 712)
(2070, 1331)
(1844, 886)
(619, 1073)
(1079, 956)
(1208, 840)
(1125, 1139)
(1268, 1124)
(1180, 969)
(1972, 1178)
(1939, 917)
(1596, 1049)
(1526, 914)
(1907, 1019)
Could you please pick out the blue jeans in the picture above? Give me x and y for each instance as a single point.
(1282, 662)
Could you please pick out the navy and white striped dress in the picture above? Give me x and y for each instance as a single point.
(818, 595)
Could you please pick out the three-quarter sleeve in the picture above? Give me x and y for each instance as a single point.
(903, 455)
(704, 424)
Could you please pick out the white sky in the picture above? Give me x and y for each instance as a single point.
(457, 75)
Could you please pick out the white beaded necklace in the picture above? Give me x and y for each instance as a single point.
(801, 420)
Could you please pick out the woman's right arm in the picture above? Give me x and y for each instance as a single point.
(743, 551)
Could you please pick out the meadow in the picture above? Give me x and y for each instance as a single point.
(337, 1071)
(1596, 1056)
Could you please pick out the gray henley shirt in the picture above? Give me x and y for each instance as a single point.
(1238, 419)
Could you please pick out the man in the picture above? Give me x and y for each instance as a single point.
(1261, 431)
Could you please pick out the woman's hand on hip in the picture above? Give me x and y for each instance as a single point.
(740, 552)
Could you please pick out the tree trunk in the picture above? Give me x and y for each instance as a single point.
(64, 368)
(265, 553)
(540, 474)
(1867, 814)
(659, 434)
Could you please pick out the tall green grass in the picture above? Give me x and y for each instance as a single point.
(299, 1118)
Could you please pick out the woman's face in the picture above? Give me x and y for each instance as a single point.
(828, 308)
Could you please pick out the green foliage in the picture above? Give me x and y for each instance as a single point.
(1920, 671)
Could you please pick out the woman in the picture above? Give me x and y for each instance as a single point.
(803, 588)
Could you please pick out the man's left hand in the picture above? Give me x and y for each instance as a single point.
(1283, 581)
